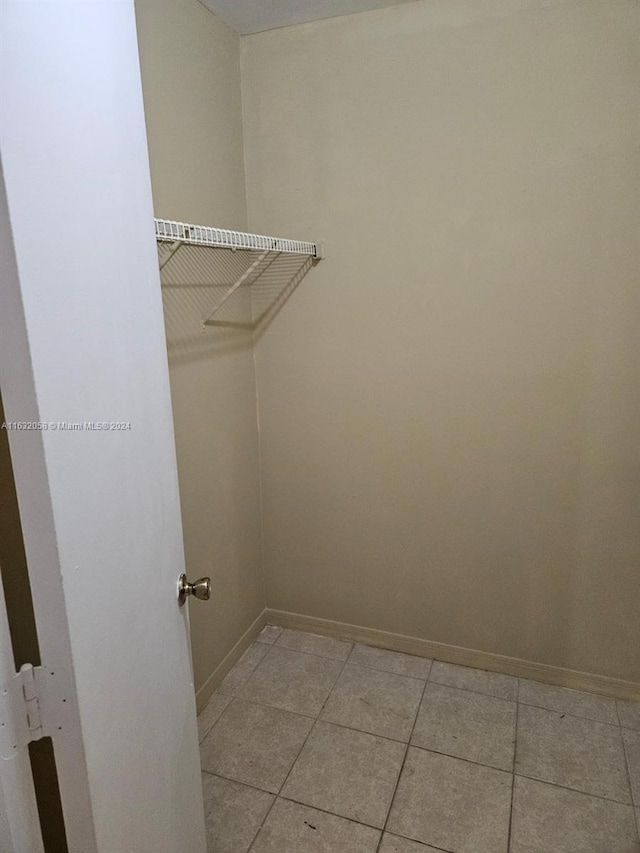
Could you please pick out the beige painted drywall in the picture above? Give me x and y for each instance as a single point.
(191, 81)
(449, 405)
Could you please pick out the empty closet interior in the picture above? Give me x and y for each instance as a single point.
(430, 438)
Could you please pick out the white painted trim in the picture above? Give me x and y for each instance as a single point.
(229, 661)
(591, 682)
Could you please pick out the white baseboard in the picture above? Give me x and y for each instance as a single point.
(593, 683)
(229, 661)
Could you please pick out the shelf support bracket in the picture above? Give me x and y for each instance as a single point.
(171, 252)
(244, 278)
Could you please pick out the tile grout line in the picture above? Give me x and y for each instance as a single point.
(362, 731)
(635, 808)
(469, 689)
(234, 695)
(295, 760)
(573, 790)
(339, 817)
(524, 776)
(451, 687)
(528, 704)
(569, 714)
(513, 768)
(219, 775)
(266, 705)
(386, 671)
(628, 769)
(315, 654)
(253, 669)
(353, 820)
(479, 693)
(391, 671)
(404, 759)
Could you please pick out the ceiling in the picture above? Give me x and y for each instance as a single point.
(254, 16)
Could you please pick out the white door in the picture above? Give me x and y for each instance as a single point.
(84, 378)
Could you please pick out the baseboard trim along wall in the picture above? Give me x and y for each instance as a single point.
(229, 661)
(614, 687)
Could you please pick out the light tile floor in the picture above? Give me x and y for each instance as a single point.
(315, 745)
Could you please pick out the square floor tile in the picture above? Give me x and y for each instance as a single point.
(395, 844)
(210, 714)
(348, 773)
(314, 644)
(389, 661)
(452, 804)
(243, 669)
(254, 744)
(629, 714)
(480, 680)
(373, 701)
(632, 748)
(269, 634)
(292, 828)
(572, 752)
(293, 681)
(467, 725)
(233, 814)
(566, 701)
(547, 819)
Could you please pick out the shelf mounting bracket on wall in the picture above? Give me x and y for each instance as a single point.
(170, 253)
(245, 278)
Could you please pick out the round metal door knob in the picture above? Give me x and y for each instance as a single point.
(199, 589)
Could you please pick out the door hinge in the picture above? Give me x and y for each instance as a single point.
(34, 703)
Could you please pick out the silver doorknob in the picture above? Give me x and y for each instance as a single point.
(199, 589)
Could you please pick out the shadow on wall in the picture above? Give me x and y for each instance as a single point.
(196, 279)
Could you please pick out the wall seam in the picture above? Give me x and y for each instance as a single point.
(263, 567)
(239, 39)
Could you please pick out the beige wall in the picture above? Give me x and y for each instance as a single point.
(191, 80)
(449, 403)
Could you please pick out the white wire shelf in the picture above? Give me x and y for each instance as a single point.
(220, 238)
(185, 257)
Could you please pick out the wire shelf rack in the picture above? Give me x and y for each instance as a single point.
(220, 238)
(188, 259)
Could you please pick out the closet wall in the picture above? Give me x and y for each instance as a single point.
(449, 403)
(191, 81)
